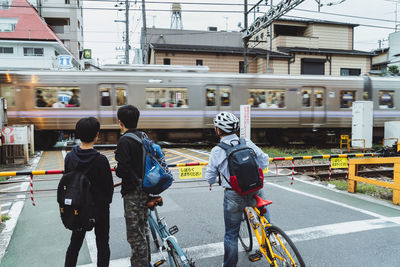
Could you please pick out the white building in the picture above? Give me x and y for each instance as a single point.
(26, 42)
(65, 18)
(394, 49)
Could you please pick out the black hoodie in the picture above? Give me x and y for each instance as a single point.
(100, 176)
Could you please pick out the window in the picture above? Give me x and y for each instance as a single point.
(318, 98)
(67, 2)
(167, 97)
(6, 50)
(225, 93)
(347, 98)
(210, 97)
(167, 61)
(266, 98)
(199, 62)
(350, 72)
(306, 98)
(105, 96)
(30, 51)
(57, 97)
(120, 96)
(8, 92)
(5, 4)
(8, 24)
(241, 66)
(386, 99)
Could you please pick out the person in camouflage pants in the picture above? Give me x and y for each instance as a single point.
(129, 155)
(136, 227)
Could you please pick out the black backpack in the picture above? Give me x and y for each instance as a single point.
(75, 200)
(245, 175)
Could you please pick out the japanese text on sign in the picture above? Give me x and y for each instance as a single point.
(190, 172)
(339, 163)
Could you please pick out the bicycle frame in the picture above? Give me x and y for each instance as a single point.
(259, 225)
(160, 228)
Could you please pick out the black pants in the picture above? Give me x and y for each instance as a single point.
(102, 230)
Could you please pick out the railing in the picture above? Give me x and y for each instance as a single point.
(354, 178)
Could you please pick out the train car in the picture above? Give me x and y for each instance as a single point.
(180, 106)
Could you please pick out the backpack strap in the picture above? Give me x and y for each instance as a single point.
(140, 141)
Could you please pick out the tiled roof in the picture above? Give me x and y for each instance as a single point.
(325, 51)
(29, 26)
(215, 49)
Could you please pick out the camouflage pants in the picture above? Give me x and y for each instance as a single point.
(136, 227)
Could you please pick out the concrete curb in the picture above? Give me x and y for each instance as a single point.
(15, 211)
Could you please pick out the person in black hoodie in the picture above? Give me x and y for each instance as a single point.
(102, 186)
(130, 169)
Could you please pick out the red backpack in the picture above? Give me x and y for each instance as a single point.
(245, 175)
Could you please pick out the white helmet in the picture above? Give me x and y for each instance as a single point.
(227, 122)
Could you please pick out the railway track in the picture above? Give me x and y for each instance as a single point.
(322, 171)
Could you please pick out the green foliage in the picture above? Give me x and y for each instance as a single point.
(363, 188)
(394, 69)
(5, 218)
(288, 152)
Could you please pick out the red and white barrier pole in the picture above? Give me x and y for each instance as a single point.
(291, 183)
(33, 202)
(330, 169)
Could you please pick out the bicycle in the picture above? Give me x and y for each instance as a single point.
(158, 229)
(275, 245)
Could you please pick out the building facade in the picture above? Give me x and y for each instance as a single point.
(294, 47)
(65, 18)
(220, 51)
(316, 47)
(26, 42)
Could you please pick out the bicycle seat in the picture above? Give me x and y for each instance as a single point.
(261, 202)
(154, 201)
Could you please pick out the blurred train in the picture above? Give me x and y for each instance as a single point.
(180, 105)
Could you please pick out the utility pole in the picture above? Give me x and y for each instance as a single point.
(245, 39)
(270, 31)
(127, 46)
(144, 34)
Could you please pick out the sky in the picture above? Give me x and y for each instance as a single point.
(104, 36)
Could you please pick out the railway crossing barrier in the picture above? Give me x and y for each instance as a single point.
(354, 178)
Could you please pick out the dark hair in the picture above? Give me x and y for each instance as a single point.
(129, 116)
(86, 129)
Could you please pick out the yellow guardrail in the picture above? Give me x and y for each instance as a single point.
(354, 178)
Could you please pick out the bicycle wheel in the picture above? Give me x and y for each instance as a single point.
(175, 256)
(245, 236)
(276, 237)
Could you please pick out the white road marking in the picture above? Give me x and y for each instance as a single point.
(6, 204)
(299, 235)
(11, 187)
(186, 155)
(200, 152)
(370, 213)
(4, 211)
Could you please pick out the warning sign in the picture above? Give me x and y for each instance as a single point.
(190, 172)
(339, 163)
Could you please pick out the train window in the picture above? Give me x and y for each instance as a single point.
(210, 96)
(347, 98)
(167, 97)
(318, 98)
(105, 96)
(8, 92)
(225, 93)
(305, 98)
(57, 97)
(386, 99)
(261, 98)
(120, 94)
